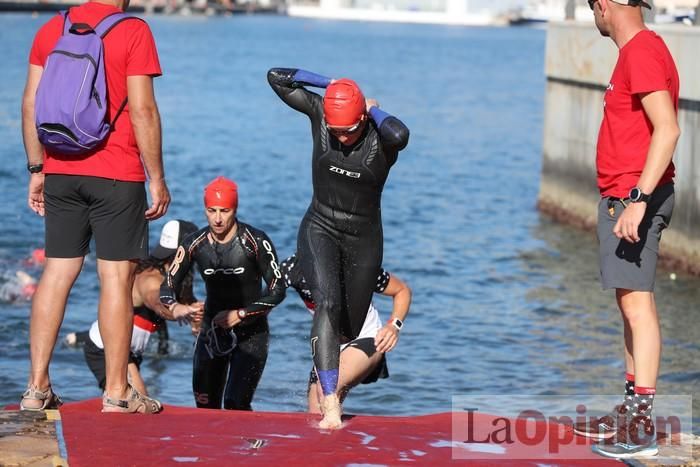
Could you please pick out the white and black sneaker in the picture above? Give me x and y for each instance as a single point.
(636, 439)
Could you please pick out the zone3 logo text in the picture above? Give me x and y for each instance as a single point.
(347, 173)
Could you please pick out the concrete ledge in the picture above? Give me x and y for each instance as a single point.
(29, 439)
(671, 456)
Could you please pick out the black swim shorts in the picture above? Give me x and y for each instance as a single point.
(78, 207)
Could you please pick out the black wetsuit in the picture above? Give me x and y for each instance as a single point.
(340, 241)
(232, 273)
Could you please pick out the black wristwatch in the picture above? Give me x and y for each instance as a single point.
(35, 168)
(637, 196)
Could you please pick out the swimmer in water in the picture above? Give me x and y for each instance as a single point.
(16, 286)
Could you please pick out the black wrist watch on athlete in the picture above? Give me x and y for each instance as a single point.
(35, 168)
(637, 196)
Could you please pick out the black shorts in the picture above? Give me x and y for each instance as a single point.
(79, 206)
(365, 344)
(95, 359)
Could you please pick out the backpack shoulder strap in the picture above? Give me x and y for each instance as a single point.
(102, 29)
(66, 21)
(109, 22)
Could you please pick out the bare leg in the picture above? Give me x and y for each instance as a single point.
(639, 308)
(629, 359)
(315, 396)
(136, 380)
(48, 309)
(115, 317)
(354, 367)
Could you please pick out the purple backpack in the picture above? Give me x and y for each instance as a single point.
(71, 100)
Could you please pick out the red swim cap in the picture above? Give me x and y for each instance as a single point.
(343, 104)
(39, 256)
(221, 192)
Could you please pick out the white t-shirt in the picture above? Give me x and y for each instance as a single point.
(370, 327)
(139, 338)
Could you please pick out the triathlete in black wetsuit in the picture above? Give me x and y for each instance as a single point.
(232, 258)
(340, 241)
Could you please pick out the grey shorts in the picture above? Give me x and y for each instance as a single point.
(79, 206)
(632, 266)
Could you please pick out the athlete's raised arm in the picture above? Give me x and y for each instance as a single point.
(392, 131)
(288, 84)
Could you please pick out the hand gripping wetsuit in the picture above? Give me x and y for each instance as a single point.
(340, 241)
(232, 275)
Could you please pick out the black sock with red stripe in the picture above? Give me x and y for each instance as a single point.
(629, 385)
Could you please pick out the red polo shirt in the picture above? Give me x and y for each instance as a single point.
(644, 65)
(129, 50)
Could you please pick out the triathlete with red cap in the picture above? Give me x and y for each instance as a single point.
(232, 257)
(340, 242)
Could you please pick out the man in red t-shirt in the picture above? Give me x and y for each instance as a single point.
(101, 193)
(635, 176)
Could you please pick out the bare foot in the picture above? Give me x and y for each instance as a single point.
(332, 411)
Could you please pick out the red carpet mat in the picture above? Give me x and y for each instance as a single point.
(182, 436)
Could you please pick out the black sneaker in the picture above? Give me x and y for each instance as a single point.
(636, 439)
(604, 427)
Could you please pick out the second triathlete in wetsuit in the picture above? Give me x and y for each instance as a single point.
(374, 339)
(365, 339)
(146, 322)
(232, 258)
(340, 241)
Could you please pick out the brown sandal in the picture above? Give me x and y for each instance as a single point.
(135, 403)
(48, 399)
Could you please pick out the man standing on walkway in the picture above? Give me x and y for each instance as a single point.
(635, 176)
(100, 192)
